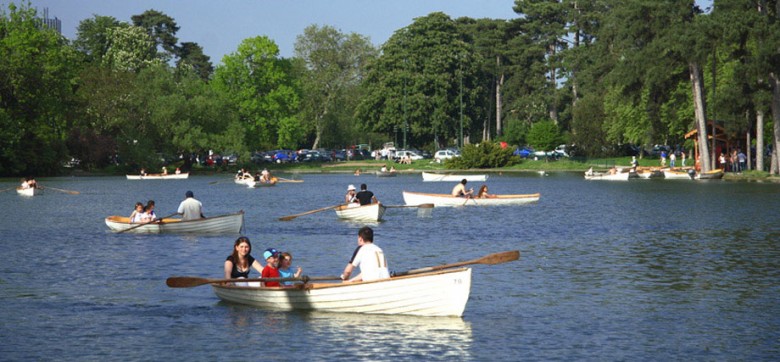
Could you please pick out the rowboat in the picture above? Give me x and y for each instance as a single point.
(30, 191)
(677, 175)
(371, 212)
(710, 175)
(435, 294)
(255, 184)
(386, 174)
(647, 174)
(417, 198)
(223, 224)
(159, 176)
(620, 176)
(433, 177)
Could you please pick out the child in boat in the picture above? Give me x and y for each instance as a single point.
(138, 213)
(285, 269)
(271, 256)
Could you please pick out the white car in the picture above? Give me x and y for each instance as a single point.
(441, 155)
(401, 154)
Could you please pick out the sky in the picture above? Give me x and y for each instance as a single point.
(219, 26)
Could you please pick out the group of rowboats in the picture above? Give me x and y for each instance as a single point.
(626, 173)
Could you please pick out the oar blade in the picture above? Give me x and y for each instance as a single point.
(499, 258)
(186, 282)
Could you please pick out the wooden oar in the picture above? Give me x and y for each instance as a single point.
(157, 221)
(290, 217)
(218, 181)
(422, 206)
(189, 282)
(8, 189)
(60, 190)
(282, 179)
(491, 259)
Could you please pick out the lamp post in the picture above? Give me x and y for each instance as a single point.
(406, 121)
(460, 64)
(395, 130)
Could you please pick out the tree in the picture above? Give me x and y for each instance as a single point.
(334, 63)
(162, 30)
(544, 135)
(92, 36)
(37, 72)
(191, 55)
(421, 71)
(129, 49)
(261, 85)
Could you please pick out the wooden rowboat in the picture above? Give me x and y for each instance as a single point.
(223, 224)
(30, 191)
(620, 176)
(386, 173)
(434, 294)
(710, 175)
(255, 184)
(437, 177)
(372, 212)
(159, 176)
(417, 198)
(677, 175)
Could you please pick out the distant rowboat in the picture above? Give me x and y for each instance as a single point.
(371, 212)
(437, 177)
(418, 198)
(223, 224)
(30, 191)
(159, 176)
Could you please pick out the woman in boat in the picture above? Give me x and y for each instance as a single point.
(25, 184)
(285, 268)
(351, 197)
(483, 193)
(149, 210)
(240, 262)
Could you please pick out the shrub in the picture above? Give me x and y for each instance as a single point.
(483, 155)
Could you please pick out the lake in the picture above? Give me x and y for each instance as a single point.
(639, 270)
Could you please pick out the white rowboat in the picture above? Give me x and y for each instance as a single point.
(30, 191)
(434, 177)
(677, 175)
(159, 176)
(620, 176)
(223, 224)
(372, 212)
(417, 198)
(434, 294)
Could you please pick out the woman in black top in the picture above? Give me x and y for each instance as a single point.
(240, 262)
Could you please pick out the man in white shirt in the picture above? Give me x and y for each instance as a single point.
(191, 208)
(368, 257)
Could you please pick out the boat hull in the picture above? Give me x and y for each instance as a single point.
(435, 177)
(677, 175)
(223, 224)
(417, 198)
(386, 174)
(710, 175)
(256, 184)
(32, 191)
(620, 176)
(435, 294)
(173, 176)
(372, 212)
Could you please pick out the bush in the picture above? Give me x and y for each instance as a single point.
(483, 155)
(544, 136)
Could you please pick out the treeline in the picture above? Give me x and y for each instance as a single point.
(594, 73)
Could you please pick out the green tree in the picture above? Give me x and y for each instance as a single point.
(37, 73)
(334, 64)
(92, 36)
(544, 135)
(162, 30)
(129, 49)
(483, 155)
(260, 84)
(191, 55)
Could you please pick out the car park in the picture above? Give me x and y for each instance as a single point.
(401, 154)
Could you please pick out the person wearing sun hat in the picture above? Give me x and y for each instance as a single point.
(350, 198)
(271, 270)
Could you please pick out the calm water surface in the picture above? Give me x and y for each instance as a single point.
(639, 270)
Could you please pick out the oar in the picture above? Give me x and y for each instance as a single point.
(422, 206)
(158, 221)
(290, 217)
(8, 189)
(492, 259)
(282, 179)
(189, 282)
(218, 181)
(61, 190)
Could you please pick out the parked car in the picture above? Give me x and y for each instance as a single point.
(560, 151)
(282, 156)
(442, 155)
(315, 156)
(401, 154)
(524, 152)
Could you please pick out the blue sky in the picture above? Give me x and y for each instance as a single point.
(219, 26)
